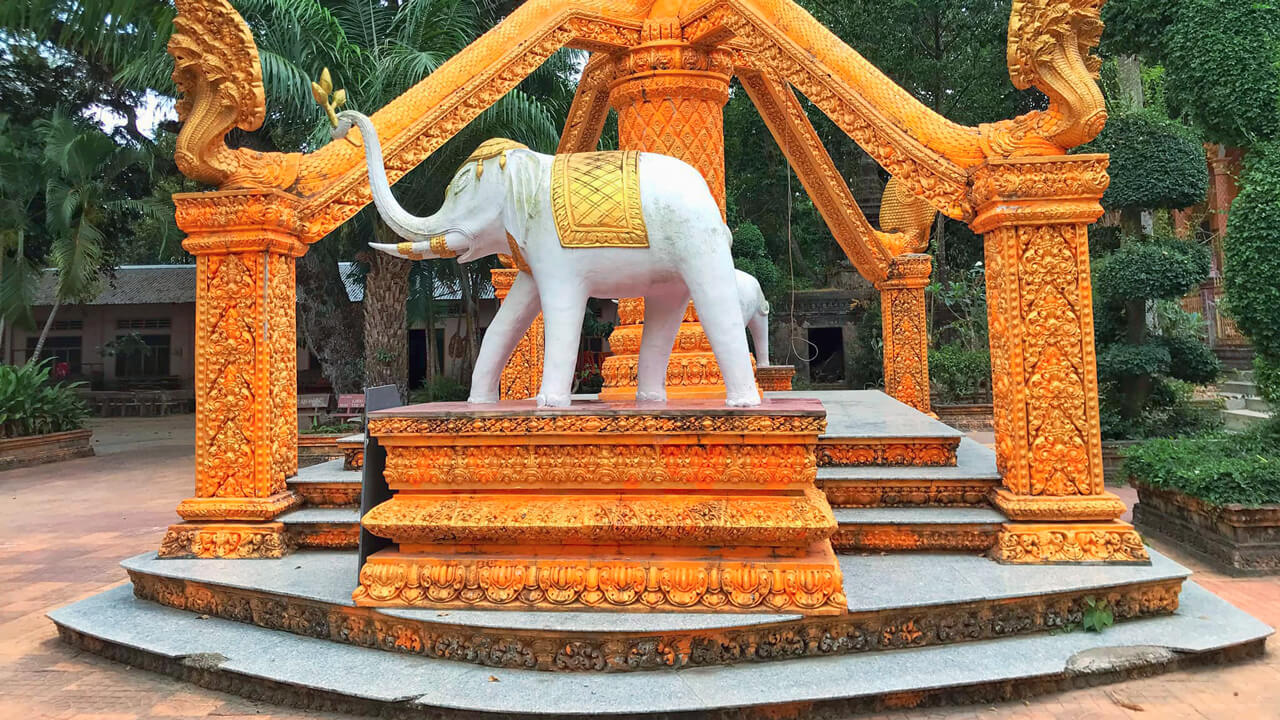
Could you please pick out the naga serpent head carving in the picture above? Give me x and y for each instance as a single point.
(1049, 49)
(216, 70)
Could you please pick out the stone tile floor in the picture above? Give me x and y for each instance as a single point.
(66, 527)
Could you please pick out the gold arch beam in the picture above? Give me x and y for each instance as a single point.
(1049, 41)
(866, 247)
(590, 107)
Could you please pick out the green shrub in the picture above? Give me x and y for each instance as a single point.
(31, 405)
(1150, 268)
(1266, 374)
(867, 363)
(1221, 59)
(1252, 251)
(1167, 411)
(957, 374)
(1155, 162)
(1243, 468)
(1140, 393)
(441, 389)
(751, 255)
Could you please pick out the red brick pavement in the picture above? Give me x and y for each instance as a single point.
(66, 527)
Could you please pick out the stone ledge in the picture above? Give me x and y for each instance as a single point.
(30, 450)
(967, 598)
(1216, 548)
(320, 675)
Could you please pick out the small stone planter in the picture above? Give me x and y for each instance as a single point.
(314, 449)
(1113, 460)
(1239, 539)
(969, 417)
(40, 449)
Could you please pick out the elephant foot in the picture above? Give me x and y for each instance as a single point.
(651, 397)
(554, 401)
(743, 400)
(484, 399)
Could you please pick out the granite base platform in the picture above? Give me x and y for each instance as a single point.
(318, 674)
(894, 602)
(870, 428)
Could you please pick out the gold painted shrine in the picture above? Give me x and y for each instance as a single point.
(665, 67)
(605, 506)
(701, 536)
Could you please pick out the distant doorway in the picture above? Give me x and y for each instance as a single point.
(827, 365)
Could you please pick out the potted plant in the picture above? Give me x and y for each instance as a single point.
(40, 421)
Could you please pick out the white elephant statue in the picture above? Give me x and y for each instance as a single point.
(755, 314)
(501, 201)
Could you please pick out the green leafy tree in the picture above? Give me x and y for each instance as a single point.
(376, 50)
(1156, 163)
(1252, 251)
(80, 170)
(751, 256)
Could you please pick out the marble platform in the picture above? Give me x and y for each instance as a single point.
(315, 673)
(870, 428)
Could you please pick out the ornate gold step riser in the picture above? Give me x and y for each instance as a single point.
(631, 579)
(328, 536)
(677, 466)
(821, 636)
(887, 493)
(914, 538)
(337, 495)
(913, 452)
(604, 519)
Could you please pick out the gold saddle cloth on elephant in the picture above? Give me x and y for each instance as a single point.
(595, 198)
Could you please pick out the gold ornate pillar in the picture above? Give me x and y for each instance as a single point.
(1034, 214)
(670, 97)
(245, 243)
(906, 331)
(522, 375)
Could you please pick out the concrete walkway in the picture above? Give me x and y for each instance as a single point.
(67, 526)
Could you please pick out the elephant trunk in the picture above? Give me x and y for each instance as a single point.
(426, 233)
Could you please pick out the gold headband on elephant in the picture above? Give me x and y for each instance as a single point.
(494, 147)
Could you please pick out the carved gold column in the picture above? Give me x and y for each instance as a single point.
(906, 331)
(670, 96)
(1034, 214)
(245, 243)
(522, 374)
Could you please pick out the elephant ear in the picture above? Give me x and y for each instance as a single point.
(523, 178)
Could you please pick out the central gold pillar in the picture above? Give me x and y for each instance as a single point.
(670, 96)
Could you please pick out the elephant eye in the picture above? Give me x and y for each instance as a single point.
(461, 181)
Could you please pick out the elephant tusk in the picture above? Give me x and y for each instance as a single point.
(436, 247)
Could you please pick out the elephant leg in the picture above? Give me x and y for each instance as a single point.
(759, 327)
(715, 295)
(662, 316)
(562, 314)
(514, 317)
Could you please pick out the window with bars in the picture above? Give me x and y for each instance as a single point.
(144, 324)
(66, 348)
(149, 358)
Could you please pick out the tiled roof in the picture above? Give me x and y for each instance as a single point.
(176, 284)
(133, 285)
(444, 291)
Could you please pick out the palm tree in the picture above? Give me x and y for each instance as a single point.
(376, 49)
(81, 166)
(18, 273)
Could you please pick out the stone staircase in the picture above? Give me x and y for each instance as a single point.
(330, 512)
(901, 481)
(897, 479)
(1244, 406)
